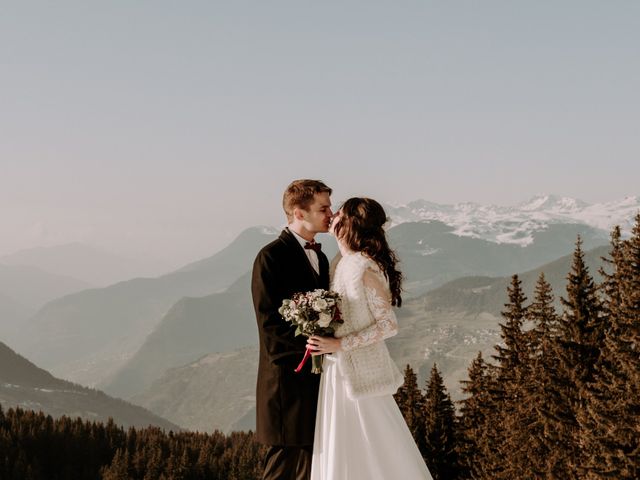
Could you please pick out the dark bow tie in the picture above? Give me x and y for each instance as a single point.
(315, 246)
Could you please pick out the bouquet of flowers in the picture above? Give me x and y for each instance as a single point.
(313, 313)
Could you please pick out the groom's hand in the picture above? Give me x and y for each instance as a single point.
(322, 345)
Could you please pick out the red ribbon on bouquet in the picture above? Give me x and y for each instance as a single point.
(307, 354)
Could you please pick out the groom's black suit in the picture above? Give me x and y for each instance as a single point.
(285, 401)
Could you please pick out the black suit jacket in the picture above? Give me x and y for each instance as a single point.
(285, 401)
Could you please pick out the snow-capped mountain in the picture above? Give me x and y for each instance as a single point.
(517, 224)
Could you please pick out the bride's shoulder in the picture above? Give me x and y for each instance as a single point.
(357, 262)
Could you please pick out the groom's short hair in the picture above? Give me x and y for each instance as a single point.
(301, 193)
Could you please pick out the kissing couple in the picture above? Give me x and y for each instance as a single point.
(343, 424)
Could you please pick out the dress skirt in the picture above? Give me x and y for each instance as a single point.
(365, 439)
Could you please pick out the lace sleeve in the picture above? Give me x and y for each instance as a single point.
(379, 303)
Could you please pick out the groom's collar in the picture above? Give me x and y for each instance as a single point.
(300, 240)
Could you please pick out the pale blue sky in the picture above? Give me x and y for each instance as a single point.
(167, 127)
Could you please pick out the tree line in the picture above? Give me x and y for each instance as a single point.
(35, 446)
(559, 400)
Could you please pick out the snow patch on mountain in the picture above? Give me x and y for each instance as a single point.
(264, 230)
(517, 224)
(425, 249)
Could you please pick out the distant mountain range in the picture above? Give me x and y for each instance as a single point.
(24, 290)
(125, 336)
(12, 314)
(192, 328)
(431, 255)
(24, 385)
(33, 287)
(448, 326)
(87, 336)
(94, 266)
(217, 391)
(518, 224)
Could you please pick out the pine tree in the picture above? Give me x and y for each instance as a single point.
(411, 402)
(178, 464)
(582, 322)
(539, 396)
(474, 414)
(440, 429)
(154, 461)
(514, 353)
(580, 337)
(500, 446)
(543, 315)
(119, 468)
(612, 417)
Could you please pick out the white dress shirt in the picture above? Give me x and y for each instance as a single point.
(311, 254)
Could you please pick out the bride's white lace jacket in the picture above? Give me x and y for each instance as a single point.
(369, 318)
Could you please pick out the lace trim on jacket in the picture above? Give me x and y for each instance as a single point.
(379, 303)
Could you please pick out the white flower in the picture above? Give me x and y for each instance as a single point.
(320, 304)
(324, 320)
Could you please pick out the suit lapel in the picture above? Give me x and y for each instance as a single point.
(301, 257)
(324, 270)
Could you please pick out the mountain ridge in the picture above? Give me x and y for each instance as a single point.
(95, 266)
(516, 224)
(26, 385)
(107, 325)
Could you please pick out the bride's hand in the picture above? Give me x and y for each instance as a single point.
(321, 345)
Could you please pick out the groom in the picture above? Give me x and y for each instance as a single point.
(286, 401)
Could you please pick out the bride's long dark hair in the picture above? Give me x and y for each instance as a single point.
(361, 229)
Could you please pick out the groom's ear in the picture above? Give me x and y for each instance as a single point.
(298, 213)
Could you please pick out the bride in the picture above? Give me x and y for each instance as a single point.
(360, 432)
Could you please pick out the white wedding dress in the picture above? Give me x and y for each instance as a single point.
(368, 438)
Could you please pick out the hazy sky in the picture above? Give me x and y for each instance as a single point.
(165, 128)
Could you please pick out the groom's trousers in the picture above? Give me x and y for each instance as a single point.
(288, 463)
